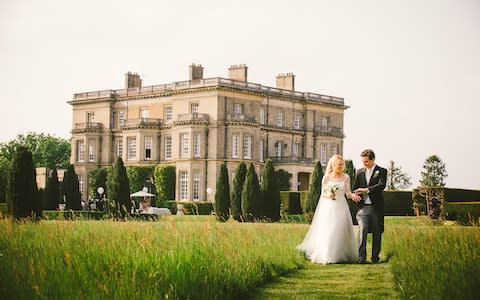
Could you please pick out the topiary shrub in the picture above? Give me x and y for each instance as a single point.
(236, 194)
(222, 195)
(70, 190)
(22, 196)
(314, 192)
(251, 196)
(270, 193)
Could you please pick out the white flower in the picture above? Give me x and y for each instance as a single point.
(376, 173)
(332, 187)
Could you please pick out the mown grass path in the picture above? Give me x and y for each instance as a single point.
(337, 281)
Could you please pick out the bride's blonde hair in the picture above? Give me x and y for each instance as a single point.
(333, 161)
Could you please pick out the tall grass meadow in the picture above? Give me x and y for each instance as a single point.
(435, 262)
(143, 260)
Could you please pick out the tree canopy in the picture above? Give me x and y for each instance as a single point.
(434, 172)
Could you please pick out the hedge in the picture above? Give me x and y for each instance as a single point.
(194, 207)
(398, 203)
(290, 203)
(460, 195)
(465, 213)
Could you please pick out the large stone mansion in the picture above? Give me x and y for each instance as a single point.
(200, 123)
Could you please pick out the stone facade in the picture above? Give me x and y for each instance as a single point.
(200, 123)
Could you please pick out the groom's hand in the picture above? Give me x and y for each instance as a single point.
(361, 191)
(356, 198)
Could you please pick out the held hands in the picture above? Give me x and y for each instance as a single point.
(356, 195)
(355, 198)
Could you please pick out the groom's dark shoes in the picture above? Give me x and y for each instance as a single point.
(361, 262)
(375, 260)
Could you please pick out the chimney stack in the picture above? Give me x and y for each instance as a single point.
(195, 72)
(238, 72)
(132, 80)
(286, 81)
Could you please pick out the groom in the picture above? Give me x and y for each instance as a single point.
(370, 183)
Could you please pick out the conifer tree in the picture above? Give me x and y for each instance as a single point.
(350, 171)
(434, 172)
(22, 193)
(315, 191)
(270, 193)
(222, 195)
(236, 196)
(251, 197)
(52, 191)
(119, 189)
(70, 189)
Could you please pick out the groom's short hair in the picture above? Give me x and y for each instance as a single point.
(368, 153)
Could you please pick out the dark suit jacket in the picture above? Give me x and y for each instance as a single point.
(377, 184)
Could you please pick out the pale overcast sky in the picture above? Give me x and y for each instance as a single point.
(408, 69)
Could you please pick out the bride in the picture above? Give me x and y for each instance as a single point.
(330, 238)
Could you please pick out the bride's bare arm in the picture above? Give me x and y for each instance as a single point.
(348, 189)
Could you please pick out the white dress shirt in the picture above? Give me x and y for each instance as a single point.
(368, 175)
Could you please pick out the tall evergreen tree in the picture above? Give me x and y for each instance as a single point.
(350, 171)
(22, 196)
(119, 189)
(236, 195)
(70, 189)
(270, 193)
(315, 191)
(222, 195)
(434, 172)
(52, 191)
(251, 196)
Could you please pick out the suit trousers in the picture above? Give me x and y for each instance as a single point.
(367, 220)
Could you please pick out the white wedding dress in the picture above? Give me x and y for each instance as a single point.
(330, 238)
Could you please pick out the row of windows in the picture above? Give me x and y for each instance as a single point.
(238, 110)
(185, 148)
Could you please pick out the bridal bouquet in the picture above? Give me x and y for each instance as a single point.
(332, 188)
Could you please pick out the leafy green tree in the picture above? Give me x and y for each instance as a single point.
(350, 171)
(52, 191)
(47, 151)
(119, 189)
(165, 181)
(434, 172)
(283, 179)
(70, 189)
(315, 191)
(251, 196)
(270, 193)
(236, 195)
(222, 195)
(23, 197)
(396, 178)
